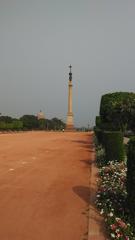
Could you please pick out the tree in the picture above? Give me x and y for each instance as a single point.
(42, 124)
(29, 122)
(6, 119)
(17, 124)
(57, 124)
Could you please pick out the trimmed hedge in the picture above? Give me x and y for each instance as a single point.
(98, 121)
(118, 109)
(99, 134)
(113, 144)
(131, 176)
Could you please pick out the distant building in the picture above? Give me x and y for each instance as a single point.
(40, 115)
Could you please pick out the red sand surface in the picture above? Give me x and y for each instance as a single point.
(44, 185)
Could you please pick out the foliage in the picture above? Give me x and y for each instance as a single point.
(6, 119)
(131, 176)
(54, 124)
(111, 200)
(42, 124)
(57, 124)
(99, 135)
(29, 122)
(100, 156)
(118, 109)
(8, 123)
(3, 125)
(98, 121)
(100, 124)
(17, 125)
(109, 126)
(113, 143)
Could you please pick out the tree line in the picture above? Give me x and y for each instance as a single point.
(30, 122)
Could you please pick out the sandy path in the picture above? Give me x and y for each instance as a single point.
(44, 185)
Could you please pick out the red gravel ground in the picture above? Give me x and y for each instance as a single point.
(44, 185)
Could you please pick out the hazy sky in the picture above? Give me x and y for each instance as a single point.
(40, 38)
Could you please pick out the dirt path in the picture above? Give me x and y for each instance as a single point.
(44, 186)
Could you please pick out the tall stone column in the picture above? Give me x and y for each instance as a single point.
(70, 121)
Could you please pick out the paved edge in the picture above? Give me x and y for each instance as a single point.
(94, 232)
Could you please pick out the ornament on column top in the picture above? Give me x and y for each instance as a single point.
(70, 73)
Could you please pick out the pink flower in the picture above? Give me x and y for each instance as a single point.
(113, 227)
(122, 224)
(119, 235)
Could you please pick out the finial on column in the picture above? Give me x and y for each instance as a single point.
(70, 73)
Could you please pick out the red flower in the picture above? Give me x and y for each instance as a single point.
(113, 227)
(122, 224)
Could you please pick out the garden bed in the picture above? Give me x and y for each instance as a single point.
(111, 200)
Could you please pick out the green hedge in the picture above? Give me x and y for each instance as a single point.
(14, 125)
(131, 176)
(99, 135)
(113, 144)
(118, 109)
(98, 121)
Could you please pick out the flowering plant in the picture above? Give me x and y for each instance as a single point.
(111, 200)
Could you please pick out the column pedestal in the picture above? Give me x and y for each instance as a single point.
(70, 125)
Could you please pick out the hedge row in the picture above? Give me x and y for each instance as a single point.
(117, 114)
(112, 141)
(131, 176)
(118, 110)
(15, 125)
(30, 122)
(113, 144)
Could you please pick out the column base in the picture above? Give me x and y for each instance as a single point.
(70, 128)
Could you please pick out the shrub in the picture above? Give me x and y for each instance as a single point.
(118, 109)
(99, 134)
(6, 119)
(98, 121)
(111, 199)
(29, 122)
(17, 125)
(109, 126)
(42, 124)
(131, 176)
(2, 125)
(113, 144)
(100, 156)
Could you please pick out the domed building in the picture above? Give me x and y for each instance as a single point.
(40, 115)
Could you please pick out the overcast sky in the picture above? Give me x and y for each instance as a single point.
(40, 38)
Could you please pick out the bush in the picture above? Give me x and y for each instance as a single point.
(98, 121)
(3, 125)
(17, 125)
(113, 144)
(99, 135)
(42, 124)
(14, 125)
(109, 126)
(6, 119)
(131, 176)
(100, 156)
(118, 109)
(111, 199)
(29, 122)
